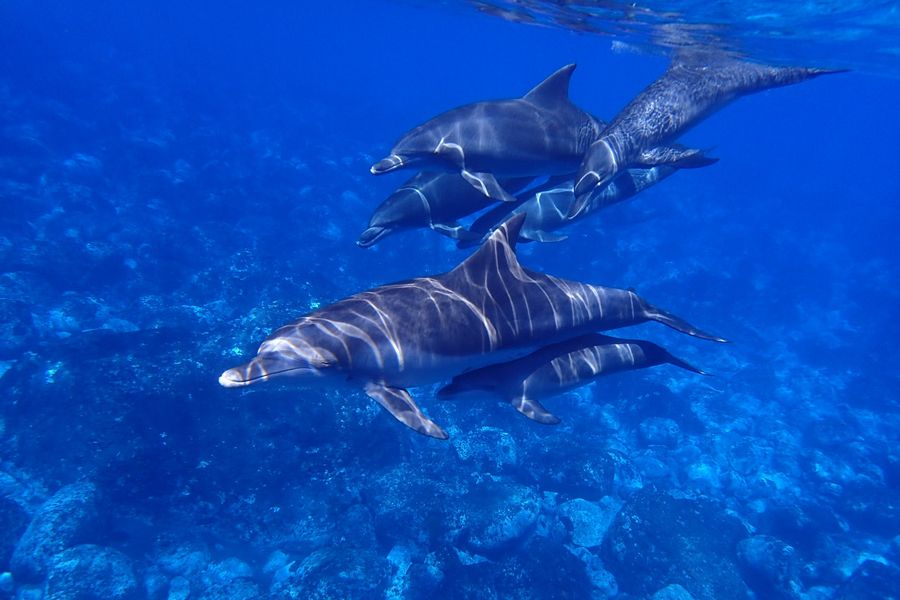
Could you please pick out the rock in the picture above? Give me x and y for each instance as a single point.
(489, 449)
(65, 520)
(499, 515)
(335, 573)
(7, 584)
(659, 431)
(187, 560)
(656, 540)
(589, 521)
(603, 582)
(872, 580)
(179, 589)
(769, 567)
(13, 521)
(540, 569)
(672, 592)
(236, 589)
(571, 470)
(89, 572)
(223, 572)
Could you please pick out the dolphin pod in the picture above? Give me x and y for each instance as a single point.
(488, 309)
(491, 326)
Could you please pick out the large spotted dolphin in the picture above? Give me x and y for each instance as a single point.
(428, 200)
(488, 309)
(557, 368)
(541, 133)
(547, 210)
(695, 85)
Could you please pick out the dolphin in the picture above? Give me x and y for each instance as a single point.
(547, 210)
(541, 133)
(433, 200)
(557, 368)
(488, 309)
(695, 85)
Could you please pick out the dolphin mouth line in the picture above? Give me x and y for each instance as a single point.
(244, 382)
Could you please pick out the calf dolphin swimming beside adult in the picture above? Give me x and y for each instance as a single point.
(488, 309)
(428, 200)
(695, 85)
(541, 133)
(557, 368)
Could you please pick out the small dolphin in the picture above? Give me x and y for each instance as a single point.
(542, 133)
(433, 200)
(694, 86)
(557, 368)
(547, 210)
(488, 309)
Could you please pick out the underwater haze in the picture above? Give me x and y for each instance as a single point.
(180, 179)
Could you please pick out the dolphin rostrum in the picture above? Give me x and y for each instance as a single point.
(694, 86)
(542, 133)
(557, 368)
(487, 310)
(432, 200)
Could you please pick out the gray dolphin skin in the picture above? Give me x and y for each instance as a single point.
(548, 210)
(427, 200)
(557, 368)
(542, 133)
(488, 309)
(694, 86)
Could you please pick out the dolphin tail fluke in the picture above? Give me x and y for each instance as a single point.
(674, 360)
(676, 156)
(677, 323)
(400, 404)
(488, 185)
(534, 410)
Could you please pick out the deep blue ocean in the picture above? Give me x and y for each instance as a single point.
(179, 179)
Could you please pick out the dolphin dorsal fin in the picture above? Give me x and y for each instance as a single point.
(501, 244)
(554, 90)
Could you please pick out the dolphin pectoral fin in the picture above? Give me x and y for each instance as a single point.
(399, 403)
(676, 156)
(488, 185)
(452, 230)
(579, 206)
(543, 236)
(534, 411)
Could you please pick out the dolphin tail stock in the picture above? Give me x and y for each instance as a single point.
(400, 404)
(534, 410)
(677, 323)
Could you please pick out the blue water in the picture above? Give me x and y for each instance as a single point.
(179, 179)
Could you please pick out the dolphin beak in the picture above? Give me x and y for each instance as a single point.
(386, 165)
(234, 378)
(371, 235)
